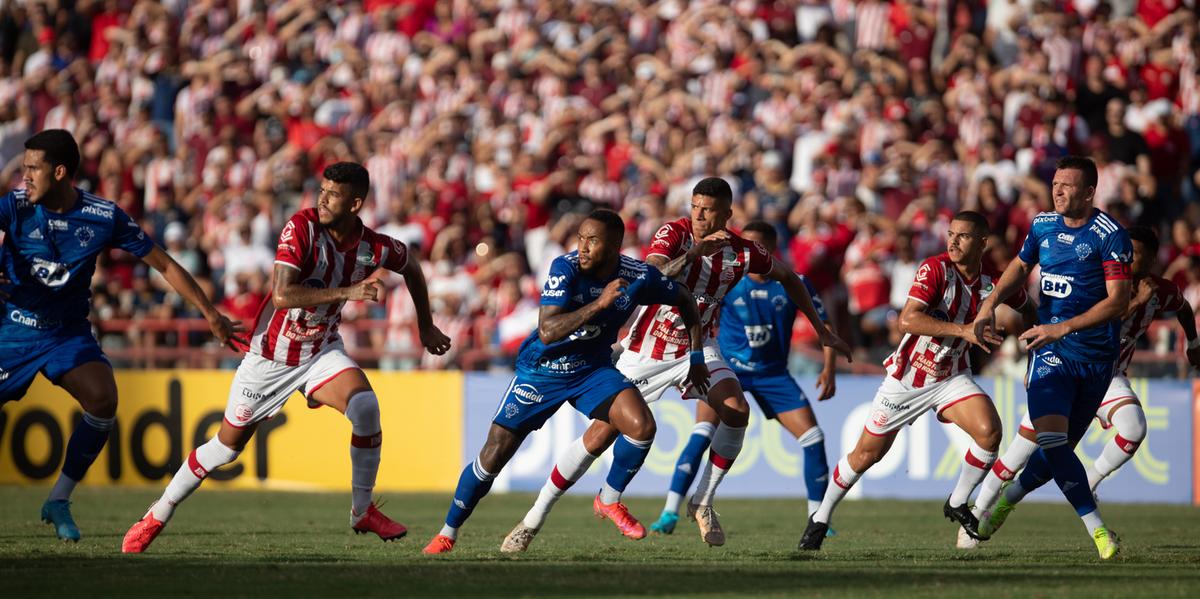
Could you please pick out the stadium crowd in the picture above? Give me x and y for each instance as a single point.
(489, 128)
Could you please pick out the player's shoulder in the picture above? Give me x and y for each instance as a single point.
(681, 226)
(16, 199)
(305, 216)
(1046, 221)
(1163, 286)
(629, 267)
(1103, 225)
(96, 206)
(935, 263)
(568, 262)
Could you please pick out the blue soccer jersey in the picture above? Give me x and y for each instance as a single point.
(50, 258)
(1075, 264)
(756, 325)
(590, 346)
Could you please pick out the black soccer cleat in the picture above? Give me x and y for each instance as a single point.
(963, 516)
(814, 535)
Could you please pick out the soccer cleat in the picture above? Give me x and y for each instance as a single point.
(619, 514)
(1106, 543)
(993, 520)
(963, 516)
(58, 513)
(141, 534)
(519, 539)
(814, 535)
(374, 521)
(710, 528)
(666, 523)
(439, 544)
(965, 541)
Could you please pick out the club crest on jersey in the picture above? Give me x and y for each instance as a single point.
(623, 301)
(986, 290)
(1083, 250)
(730, 258)
(779, 302)
(527, 394)
(85, 235)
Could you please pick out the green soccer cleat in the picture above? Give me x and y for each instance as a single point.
(58, 513)
(666, 523)
(992, 521)
(1106, 543)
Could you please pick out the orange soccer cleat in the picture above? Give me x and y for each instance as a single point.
(374, 521)
(439, 544)
(619, 514)
(140, 535)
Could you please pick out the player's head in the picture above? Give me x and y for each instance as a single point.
(1145, 249)
(763, 233)
(343, 191)
(600, 238)
(712, 205)
(50, 161)
(1074, 186)
(967, 238)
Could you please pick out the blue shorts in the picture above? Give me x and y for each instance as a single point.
(775, 393)
(532, 399)
(26, 351)
(1058, 386)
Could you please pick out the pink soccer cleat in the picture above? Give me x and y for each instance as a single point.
(439, 544)
(140, 535)
(374, 521)
(619, 514)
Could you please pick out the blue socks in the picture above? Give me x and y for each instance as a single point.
(628, 456)
(1055, 459)
(474, 483)
(816, 467)
(688, 464)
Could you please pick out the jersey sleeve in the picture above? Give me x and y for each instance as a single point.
(558, 283)
(655, 288)
(8, 210)
(761, 262)
(1029, 249)
(816, 298)
(128, 236)
(1117, 257)
(295, 244)
(393, 254)
(929, 284)
(667, 242)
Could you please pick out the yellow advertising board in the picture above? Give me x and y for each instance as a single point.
(163, 415)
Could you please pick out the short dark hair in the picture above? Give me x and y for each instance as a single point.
(716, 188)
(352, 174)
(762, 227)
(1146, 236)
(1081, 164)
(977, 220)
(613, 224)
(60, 149)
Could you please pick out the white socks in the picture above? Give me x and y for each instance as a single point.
(975, 466)
(199, 463)
(366, 440)
(572, 464)
(840, 482)
(1004, 470)
(726, 445)
(1130, 422)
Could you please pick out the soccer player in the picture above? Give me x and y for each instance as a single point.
(588, 295)
(53, 232)
(755, 336)
(325, 258)
(931, 370)
(1084, 257)
(710, 260)
(1120, 408)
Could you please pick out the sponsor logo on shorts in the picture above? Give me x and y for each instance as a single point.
(527, 394)
(252, 395)
(243, 412)
(1052, 359)
(895, 407)
(563, 364)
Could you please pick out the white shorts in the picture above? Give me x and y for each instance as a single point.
(262, 386)
(1118, 390)
(653, 377)
(897, 404)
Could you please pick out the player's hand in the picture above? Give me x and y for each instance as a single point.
(713, 242)
(985, 337)
(1043, 334)
(827, 383)
(435, 341)
(698, 377)
(613, 291)
(1141, 296)
(830, 339)
(1193, 356)
(368, 290)
(230, 333)
(984, 322)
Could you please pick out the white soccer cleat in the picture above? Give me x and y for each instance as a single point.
(965, 541)
(519, 539)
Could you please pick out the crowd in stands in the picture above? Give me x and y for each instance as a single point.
(490, 126)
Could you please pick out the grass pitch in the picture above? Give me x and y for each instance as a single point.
(224, 543)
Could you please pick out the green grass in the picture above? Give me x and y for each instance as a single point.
(271, 543)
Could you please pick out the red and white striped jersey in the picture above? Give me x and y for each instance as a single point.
(948, 296)
(293, 335)
(658, 331)
(1166, 298)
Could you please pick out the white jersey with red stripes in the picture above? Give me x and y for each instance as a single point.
(947, 296)
(658, 331)
(294, 335)
(1165, 298)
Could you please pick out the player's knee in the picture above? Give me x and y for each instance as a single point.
(643, 427)
(734, 414)
(988, 436)
(1130, 422)
(101, 404)
(865, 457)
(363, 412)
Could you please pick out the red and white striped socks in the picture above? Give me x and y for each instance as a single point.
(726, 445)
(840, 482)
(366, 447)
(1130, 422)
(572, 464)
(976, 464)
(195, 469)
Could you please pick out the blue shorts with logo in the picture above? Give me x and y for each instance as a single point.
(775, 393)
(532, 398)
(1059, 386)
(25, 351)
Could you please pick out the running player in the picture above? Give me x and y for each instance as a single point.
(1084, 257)
(325, 258)
(755, 335)
(53, 232)
(588, 295)
(931, 370)
(710, 260)
(1120, 409)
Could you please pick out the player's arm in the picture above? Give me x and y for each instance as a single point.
(799, 295)
(287, 292)
(1187, 320)
(827, 380)
(1010, 282)
(914, 321)
(1109, 308)
(435, 341)
(555, 323)
(698, 372)
(225, 330)
(672, 267)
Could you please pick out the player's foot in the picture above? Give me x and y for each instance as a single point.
(58, 513)
(141, 534)
(666, 523)
(965, 541)
(619, 514)
(993, 520)
(814, 535)
(963, 516)
(710, 528)
(519, 539)
(439, 544)
(374, 521)
(1106, 543)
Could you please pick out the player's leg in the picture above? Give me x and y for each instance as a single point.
(475, 482)
(871, 448)
(630, 415)
(687, 467)
(975, 415)
(726, 398)
(781, 398)
(1120, 410)
(1006, 467)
